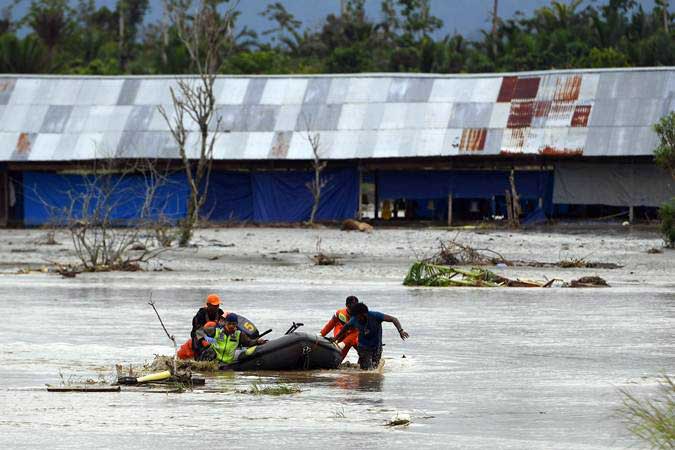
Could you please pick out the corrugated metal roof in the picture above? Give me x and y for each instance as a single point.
(581, 112)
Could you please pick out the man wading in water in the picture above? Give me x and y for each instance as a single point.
(369, 324)
(339, 319)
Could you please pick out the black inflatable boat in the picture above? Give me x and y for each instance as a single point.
(293, 351)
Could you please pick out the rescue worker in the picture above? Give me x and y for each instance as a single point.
(339, 319)
(210, 312)
(369, 324)
(225, 340)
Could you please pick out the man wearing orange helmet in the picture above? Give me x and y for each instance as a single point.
(210, 312)
(339, 319)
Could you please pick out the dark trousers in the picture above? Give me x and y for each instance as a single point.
(369, 358)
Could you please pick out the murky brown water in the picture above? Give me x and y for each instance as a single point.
(512, 369)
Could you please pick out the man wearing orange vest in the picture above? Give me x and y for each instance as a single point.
(339, 319)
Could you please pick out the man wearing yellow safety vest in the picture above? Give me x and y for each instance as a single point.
(225, 340)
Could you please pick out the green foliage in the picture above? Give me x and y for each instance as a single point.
(664, 153)
(652, 420)
(422, 273)
(26, 55)
(667, 214)
(565, 34)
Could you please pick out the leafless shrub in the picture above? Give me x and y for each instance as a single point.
(453, 252)
(318, 182)
(100, 239)
(324, 259)
(204, 32)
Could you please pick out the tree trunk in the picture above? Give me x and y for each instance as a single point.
(120, 43)
(165, 37)
(495, 20)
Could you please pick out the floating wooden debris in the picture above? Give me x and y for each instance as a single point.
(594, 281)
(87, 388)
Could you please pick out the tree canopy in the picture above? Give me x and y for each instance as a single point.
(99, 41)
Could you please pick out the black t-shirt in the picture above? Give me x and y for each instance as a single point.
(201, 318)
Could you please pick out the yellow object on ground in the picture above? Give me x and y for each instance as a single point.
(386, 210)
(159, 376)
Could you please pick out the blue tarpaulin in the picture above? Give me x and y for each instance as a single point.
(422, 185)
(259, 196)
(54, 198)
(284, 196)
(230, 197)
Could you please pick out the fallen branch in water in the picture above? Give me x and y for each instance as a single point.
(170, 336)
(423, 273)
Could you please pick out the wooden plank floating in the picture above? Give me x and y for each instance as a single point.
(92, 388)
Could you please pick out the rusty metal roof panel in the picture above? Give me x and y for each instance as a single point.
(607, 112)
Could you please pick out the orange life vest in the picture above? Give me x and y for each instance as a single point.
(186, 351)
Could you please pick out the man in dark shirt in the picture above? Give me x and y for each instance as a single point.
(211, 312)
(369, 324)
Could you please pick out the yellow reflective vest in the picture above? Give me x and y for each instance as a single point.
(225, 345)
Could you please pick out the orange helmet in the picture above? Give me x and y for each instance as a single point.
(213, 299)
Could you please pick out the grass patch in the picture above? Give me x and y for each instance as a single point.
(652, 420)
(280, 389)
(162, 362)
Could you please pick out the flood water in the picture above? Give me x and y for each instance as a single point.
(484, 368)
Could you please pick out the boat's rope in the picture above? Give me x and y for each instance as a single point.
(307, 350)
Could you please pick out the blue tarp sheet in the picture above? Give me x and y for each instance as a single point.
(49, 196)
(230, 197)
(258, 196)
(439, 184)
(284, 196)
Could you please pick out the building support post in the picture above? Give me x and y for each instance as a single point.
(631, 214)
(450, 209)
(377, 197)
(359, 213)
(4, 196)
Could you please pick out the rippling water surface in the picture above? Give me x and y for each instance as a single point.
(516, 368)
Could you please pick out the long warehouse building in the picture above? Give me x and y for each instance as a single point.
(579, 143)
